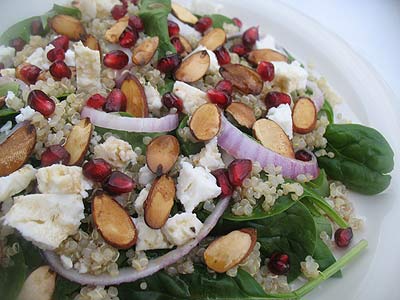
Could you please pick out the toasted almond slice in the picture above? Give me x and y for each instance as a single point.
(304, 116)
(242, 113)
(230, 250)
(193, 67)
(272, 136)
(144, 52)
(78, 141)
(162, 153)
(39, 285)
(69, 26)
(112, 35)
(214, 39)
(91, 42)
(259, 55)
(113, 222)
(17, 148)
(205, 122)
(186, 45)
(183, 14)
(136, 100)
(243, 78)
(159, 202)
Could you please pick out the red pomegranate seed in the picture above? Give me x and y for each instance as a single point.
(223, 182)
(42, 103)
(18, 44)
(61, 42)
(134, 2)
(169, 63)
(266, 70)
(56, 54)
(225, 86)
(343, 237)
(250, 36)
(29, 73)
(128, 38)
(274, 99)
(59, 70)
(116, 101)
(238, 170)
(97, 170)
(239, 49)
(116, 59)
(118, 11)
(173, 28)
(222, 55)
(96, 101)
(176, 42)
(303, 155)
(37, 27)
(136, 23)
(279, 263)
(220, 98)
(54, 155)
(118, 183)
(171, 101)
(203, 24)
(237, 22)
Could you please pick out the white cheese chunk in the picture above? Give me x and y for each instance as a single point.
(214, 66)
(8, 72)
(290, 76)
(141, 198)
(267, 42)
(146, 176)
(25, 113)
(195, 185)
(6, 56)
(209, 157)
(153, 100)
(38, 58)
(192, 97)
(116, 152)
(46, 220)
(282, 115)
(88, 67)
(181, 228)
(148, 238)
(70, 58)
(88, 9)
(16, 182)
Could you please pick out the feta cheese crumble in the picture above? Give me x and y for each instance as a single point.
(191, 97)
(267, 42)
(181, 228)
(153, 100)
(146, 176)
(116, 152)
(282, 115)
(88, 67)
(7, 55)
(26, 113)
(141, 198)
(209, 157)
(16, 182)
(148, 238)
(290, 77)
(39, 59)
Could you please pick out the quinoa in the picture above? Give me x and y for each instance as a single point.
(97, 293)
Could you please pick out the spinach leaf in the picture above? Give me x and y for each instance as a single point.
(154, 15)
(290, 57)
(362, 159)
(167, 87)
(219, 20)
(320, 185)
(187, 147)
(33, 258)
(65, 289)
(328, 111)
(12, 87)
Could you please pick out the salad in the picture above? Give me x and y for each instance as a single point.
(154, 151)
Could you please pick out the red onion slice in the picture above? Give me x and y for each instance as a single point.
(237, 144)
(129, 274)
(318, 96)
(110, 121)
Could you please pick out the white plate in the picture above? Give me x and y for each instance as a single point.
(376, 273)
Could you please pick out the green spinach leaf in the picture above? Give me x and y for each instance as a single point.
(187, 147)
(65, 289)
(12, 87)
(167, 87)
(320, 185)
(220, 20)
(328, 111)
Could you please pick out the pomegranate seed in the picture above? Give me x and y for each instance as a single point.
(134, 2)
(173, 28)
(18, 44)
(118, 11)
(116, 101)
(239, 49)
(60, 70)
(203, 24)
(220, 98)
(238, 170)
(169, 63)
(118, 183)
(136, 23)
(97, 170)
(96, 101)
(274, 99)
(56, 54)
(128, 38)
(237, 22)
(279, 263)
(266, 70)
(171, 101)
(42, 103)
(223, 182)
(37, 27)
(250, 36)
(225, 86)
(176, 42)
(29, 73)
(222, 55)
(343, 237)
(54, 155)
(116, 59)
(61, 42)
(303, 155)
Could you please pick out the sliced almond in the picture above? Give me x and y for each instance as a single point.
(17, 148)
(159, 202)
(78, 141)
(39, 285)
(230, 250)
(69, 26)
(91, 42)
(194, 67)
(242, 113)
(259, 55)
(214, 39)
(162, 153)
(205, 122)
(113, 222)
(304, 116)
(112, 35)
(272, 136)
(183, 14)
(243, 78)
(186, 45)
(136, 103)
(144, 52)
